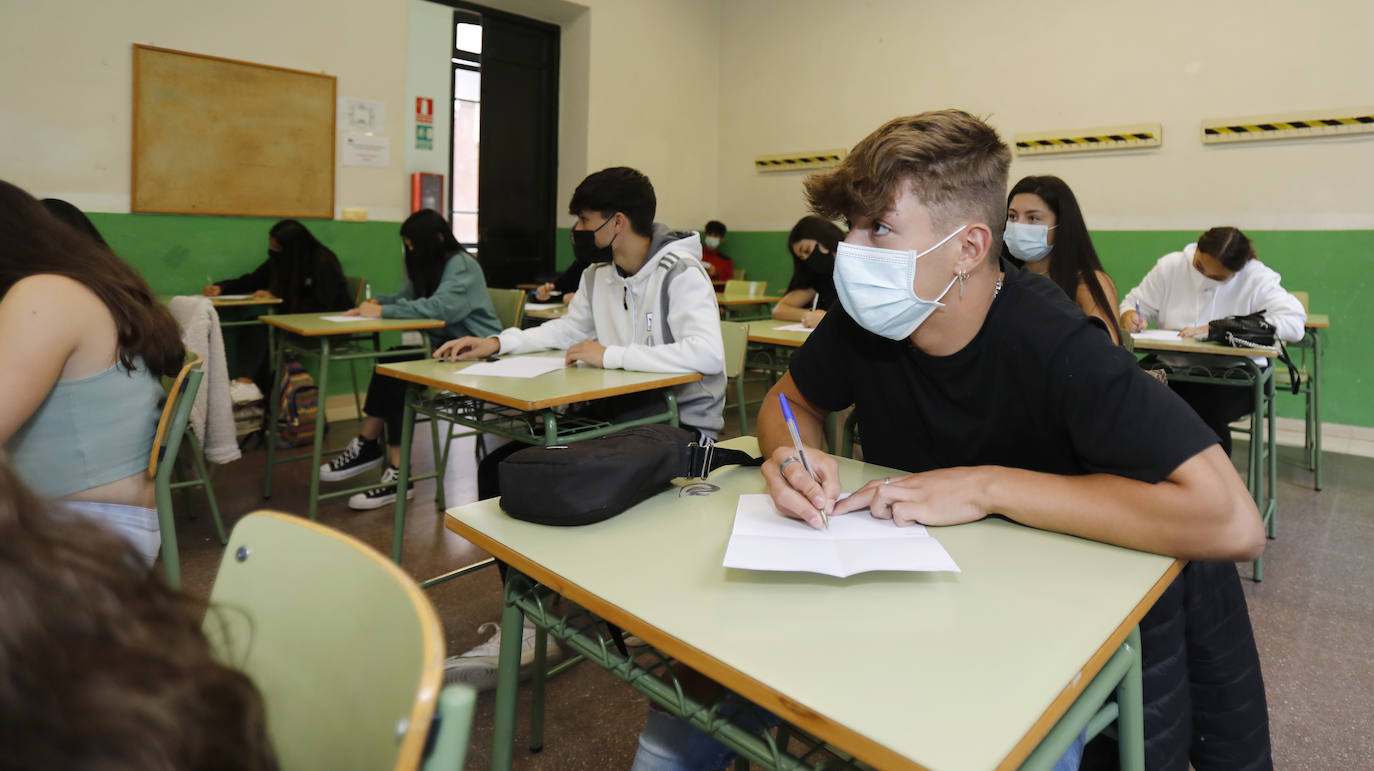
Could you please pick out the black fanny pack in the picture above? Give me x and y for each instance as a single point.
(1252, 331)
(596, 479)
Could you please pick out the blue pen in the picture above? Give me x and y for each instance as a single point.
(796, 442)
(1137, 312)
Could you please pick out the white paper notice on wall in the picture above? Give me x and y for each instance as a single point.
(363, 150)
(362, 116)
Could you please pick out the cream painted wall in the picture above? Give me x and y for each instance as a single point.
(812, 74)
(429, 50)
(65, 98)
(638, 86)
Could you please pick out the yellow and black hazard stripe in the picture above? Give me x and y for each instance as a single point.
(1082, 140)
(1138, 136)
(1278, 127)
(812, 160)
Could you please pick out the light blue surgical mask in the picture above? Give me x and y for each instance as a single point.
(1028, 243)
(877, 287)
(711, 242)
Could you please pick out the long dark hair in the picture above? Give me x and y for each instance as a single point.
(300, 257)
(1228, 246)
(105, 666)
(825, 233)
(33, 242)
(74, 217)
(432, 245)
(1073, 260)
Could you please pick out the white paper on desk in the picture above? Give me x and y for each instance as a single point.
(542, 306)
(1156, 334)
(763, 539)
(232, 296)
(344, 318)
(798, 327)
(516, 366)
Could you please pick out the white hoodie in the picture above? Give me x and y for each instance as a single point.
(627, 315)
(1175, 295)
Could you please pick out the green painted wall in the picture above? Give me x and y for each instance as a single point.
(177, 252)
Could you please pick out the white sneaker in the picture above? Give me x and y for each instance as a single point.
(382, 495)
(478, 667)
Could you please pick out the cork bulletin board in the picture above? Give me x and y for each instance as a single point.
(219, 136)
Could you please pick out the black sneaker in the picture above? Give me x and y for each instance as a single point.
(382, 495)
(360, 455)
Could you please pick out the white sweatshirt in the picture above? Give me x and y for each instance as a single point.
(626, 315)
(1175, 295)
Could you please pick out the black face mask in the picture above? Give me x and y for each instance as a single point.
(585, 249)
(820, 263)
(274, 254)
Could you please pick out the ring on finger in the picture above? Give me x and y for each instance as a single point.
(887, 480)
(782, 469)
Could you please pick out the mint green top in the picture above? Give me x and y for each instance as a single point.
(89, 431)
(460, 301)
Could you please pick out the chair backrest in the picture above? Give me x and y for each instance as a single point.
(509, 305)
(735, 335)
(738, 288)
(1302, 298)
(176, 411)
(345, 648)
(356, 285)
(737, 275)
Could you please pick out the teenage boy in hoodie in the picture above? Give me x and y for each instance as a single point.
(644, 303)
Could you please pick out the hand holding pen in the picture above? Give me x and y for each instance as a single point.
(805, 484)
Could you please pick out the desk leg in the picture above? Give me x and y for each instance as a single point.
(274, 350)
(507, 679)
(671, 399)
(1130, 700)
(1256, 438)
(1271, 481)
(398, 526)
(1314, 388)
(321, 399)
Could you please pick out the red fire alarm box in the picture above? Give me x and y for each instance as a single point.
(426, 192)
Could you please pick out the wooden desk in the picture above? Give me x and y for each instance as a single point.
(1224, 365)
(522, 409)
(963, 670)
(545, 314)
(310, 335)
(767, 332)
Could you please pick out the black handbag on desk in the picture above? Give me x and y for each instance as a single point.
(1252, 331)
(596, 479)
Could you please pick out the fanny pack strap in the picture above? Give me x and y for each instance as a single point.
(699, 460)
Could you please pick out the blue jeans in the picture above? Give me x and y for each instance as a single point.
(669, 743)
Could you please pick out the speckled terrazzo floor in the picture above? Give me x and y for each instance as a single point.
(1313, 615)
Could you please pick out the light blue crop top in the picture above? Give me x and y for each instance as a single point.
(89, 431)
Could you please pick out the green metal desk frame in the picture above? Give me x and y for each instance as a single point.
(650, 672)
(323, 352)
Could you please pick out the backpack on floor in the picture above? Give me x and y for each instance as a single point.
(296, 410)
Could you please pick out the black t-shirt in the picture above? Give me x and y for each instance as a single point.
(1040, 388)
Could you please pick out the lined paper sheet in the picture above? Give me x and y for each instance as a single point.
(763, 539)
(516, 366)
(798, 327)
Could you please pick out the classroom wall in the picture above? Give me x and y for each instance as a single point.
(803, 75)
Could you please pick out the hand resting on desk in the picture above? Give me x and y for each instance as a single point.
(468, 348)
(795, 493)
(941, 497)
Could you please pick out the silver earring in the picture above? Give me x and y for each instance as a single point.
(962, 276)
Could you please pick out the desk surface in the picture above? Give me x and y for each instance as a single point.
(547, 313)
(551, 389)
(767, 332)
(313, 325)
(946, 670)
(744, 299)
(236, 302)
(1189, 345)
(1317, 321)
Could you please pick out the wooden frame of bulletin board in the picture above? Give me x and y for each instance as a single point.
(220, 136)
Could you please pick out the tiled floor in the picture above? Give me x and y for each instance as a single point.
(1313, 614)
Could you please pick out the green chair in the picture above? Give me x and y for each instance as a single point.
(737, 288)
(349, 661)
(171, 427)
(509, 305)
(735, 335)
